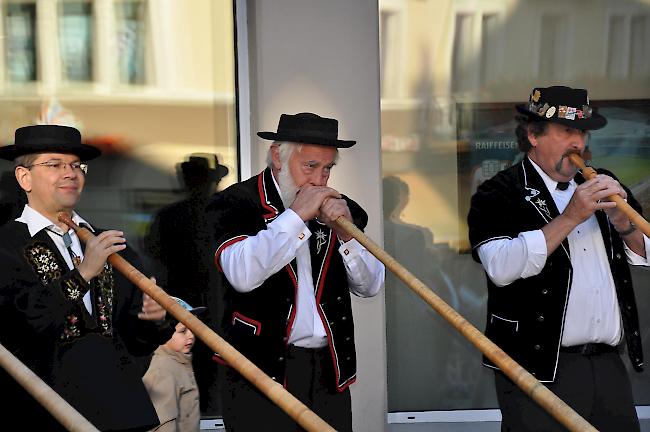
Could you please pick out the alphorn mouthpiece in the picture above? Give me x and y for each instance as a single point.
(577, 161)
(587, 171)
(66, 219)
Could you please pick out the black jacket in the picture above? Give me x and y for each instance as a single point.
(258, 322)
(87, 359)
(526, 317)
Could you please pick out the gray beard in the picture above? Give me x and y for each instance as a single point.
(288, 188)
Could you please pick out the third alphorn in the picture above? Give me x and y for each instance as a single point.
(527, 382)
(60, 409)
(589, 173)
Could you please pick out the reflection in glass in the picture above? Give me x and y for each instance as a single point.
(142, 135)
(20, 45)
(616, 66)
(640, 49)
(462, 52)
(131, 41)
(551, 58)
(76, 40)
(452, 127)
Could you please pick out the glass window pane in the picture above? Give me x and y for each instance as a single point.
(147, 131)
(616, 65)
(76, 40)
(20, 42)
(489, 48)
(551, 57)
(462, 57)
(640, 48)
(453, 128)
(131, 32)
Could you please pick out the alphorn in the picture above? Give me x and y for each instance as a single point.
(589, 173)
(273, 390)
(525, 380)
(43, 393)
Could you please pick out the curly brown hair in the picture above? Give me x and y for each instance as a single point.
(526, 125)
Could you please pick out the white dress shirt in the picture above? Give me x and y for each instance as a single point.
(592, 313)
(36, 222)
(248, 263)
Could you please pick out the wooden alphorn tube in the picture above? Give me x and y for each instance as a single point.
(43, 393)
(273, 390)
(589, 173)
(527, 382)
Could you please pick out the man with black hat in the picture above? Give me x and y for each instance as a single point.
(65, 312)
(556, 251)
(288, 273)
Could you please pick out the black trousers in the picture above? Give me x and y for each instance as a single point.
(596, 386)
(310, 378)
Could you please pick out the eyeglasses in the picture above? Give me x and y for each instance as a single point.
(77, 167)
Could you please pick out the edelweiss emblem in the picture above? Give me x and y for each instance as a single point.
(320, 240)
(542, 206)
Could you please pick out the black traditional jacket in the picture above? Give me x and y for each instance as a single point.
(526, 317)
(88, 359)
(258, 322)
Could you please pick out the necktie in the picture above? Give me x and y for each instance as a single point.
(562, 185)
(67, 242)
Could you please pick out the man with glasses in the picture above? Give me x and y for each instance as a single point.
(64, 311)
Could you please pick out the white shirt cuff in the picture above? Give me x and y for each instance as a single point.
(350, 249)
(537, 252)
(638, 260)
(289, 221)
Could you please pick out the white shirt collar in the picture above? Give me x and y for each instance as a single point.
(36, 222)
(551, 184)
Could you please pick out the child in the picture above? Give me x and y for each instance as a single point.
(170, 380)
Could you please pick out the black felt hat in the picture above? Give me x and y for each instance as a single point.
(564, 105)
(48, 139)
(204, 165)
(307, 128)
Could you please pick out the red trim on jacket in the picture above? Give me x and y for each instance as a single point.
(261, 187)
(218, 359)
(292, 316)
(319, 293)
(224, 245)
(248, 321)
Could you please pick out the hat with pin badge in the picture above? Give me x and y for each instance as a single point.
(562, 105)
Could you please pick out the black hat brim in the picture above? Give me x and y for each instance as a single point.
(273, 136)
(215, 173)
(84, 151)
(220, 172)
(596, 121)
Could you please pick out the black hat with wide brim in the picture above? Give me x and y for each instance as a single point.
(563, 105)
(307, 128)
(48, 139)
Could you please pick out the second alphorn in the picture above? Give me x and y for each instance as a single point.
(273, 390)
(589, 173)
(520, 376)
(60, 409)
